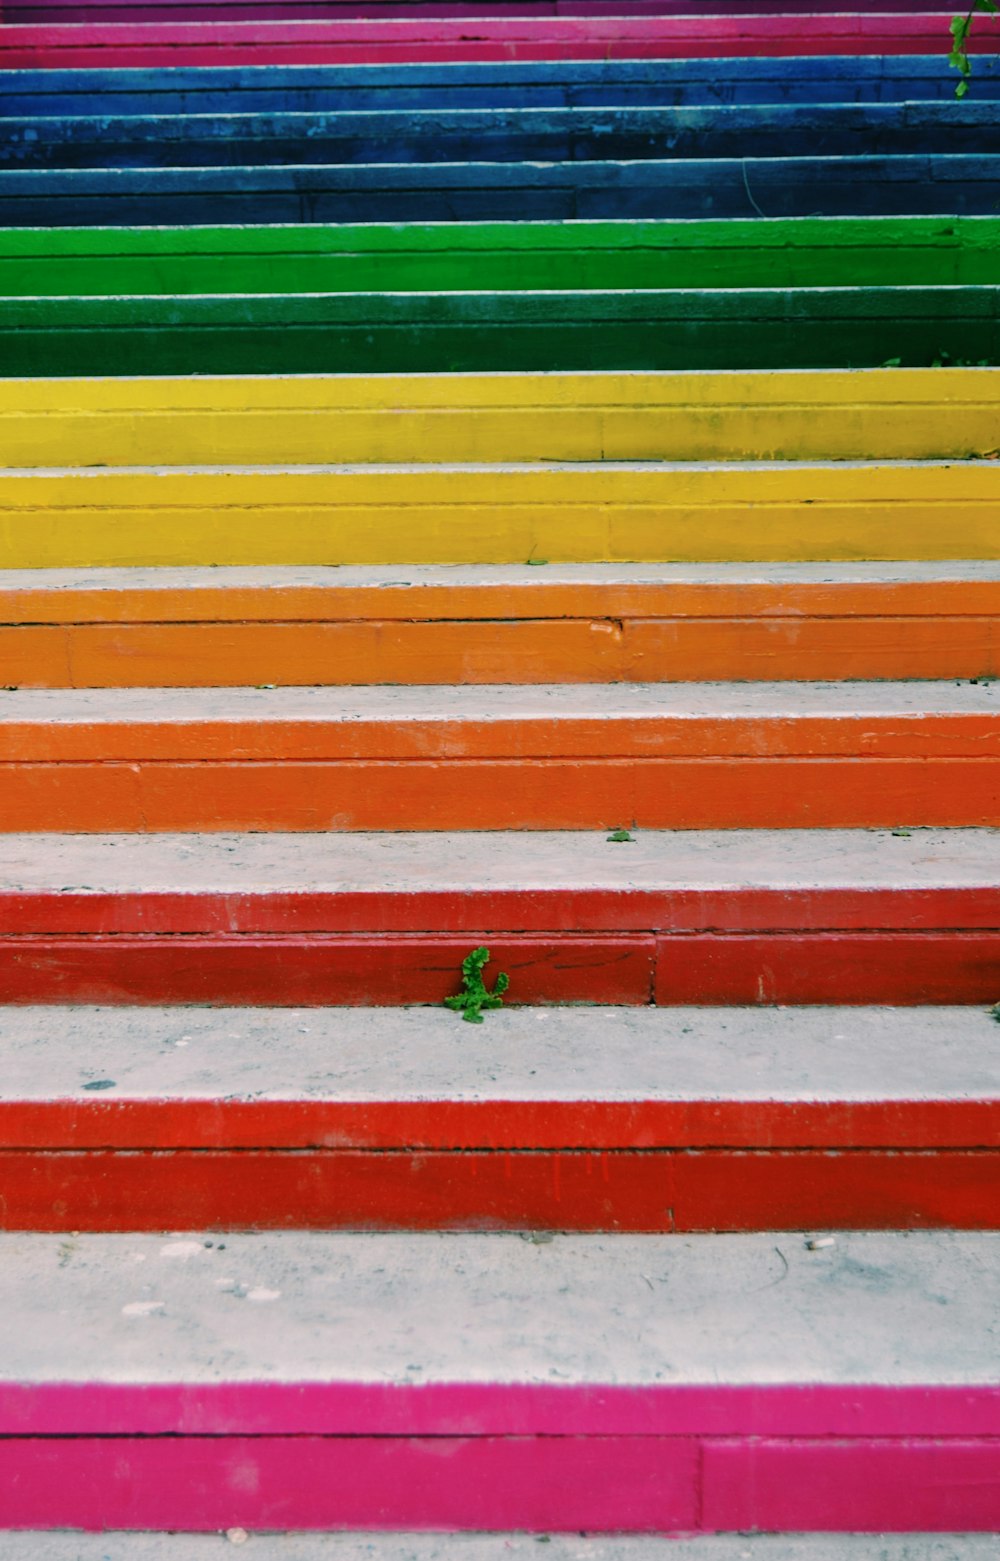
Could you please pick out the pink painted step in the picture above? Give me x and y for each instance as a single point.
(488, 38)
(638, 1384)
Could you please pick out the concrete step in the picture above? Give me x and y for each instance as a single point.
(497, 756)
(949, 183)
(608, 1119)
(603, 623)
(761, 917)
(637, 1383)
(401, 41)
(450, 135)
(908, 414)
(320, 258)
(502, 514)
(40, 1545)
(765, 79)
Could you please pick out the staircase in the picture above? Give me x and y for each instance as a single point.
(518, 477)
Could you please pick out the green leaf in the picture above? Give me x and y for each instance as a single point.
(618, 836)
(961, 89)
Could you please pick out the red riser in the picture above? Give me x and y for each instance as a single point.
(874, 967)
(667, 1191)
(361, 42)
(107, 1122)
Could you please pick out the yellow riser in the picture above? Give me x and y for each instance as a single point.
(857, 415)
(580, 514)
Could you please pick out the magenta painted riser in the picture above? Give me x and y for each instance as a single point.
(645, 1484)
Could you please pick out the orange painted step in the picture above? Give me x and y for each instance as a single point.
(426, 625)
(690, 756)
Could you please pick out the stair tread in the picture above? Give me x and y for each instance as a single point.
(492, 1310)
(572, 1054)
(372, 1546)
(505, 702)
(166, 578)
(324, 863)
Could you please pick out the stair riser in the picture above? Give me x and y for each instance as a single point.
(582, 651)
(949, 183)
(670, 1191)
(290, 334)
(277, 43)
(815, 79)
(496, 135)
(502, 516)
(639, 1483)
(473, 794)
(55, 11)
(698, 968)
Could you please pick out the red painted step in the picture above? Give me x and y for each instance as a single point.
(611, 1119)
(500, 38)
(727, 917)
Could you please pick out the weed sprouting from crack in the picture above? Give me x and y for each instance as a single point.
(474, 997)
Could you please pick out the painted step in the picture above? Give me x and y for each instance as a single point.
(760, 252)
(763, 917)
(602, 623)
(552, 756)
(817, 328)
(39, 1545)
(151, 44)
(639, 1383)
(581, 513)
(636, 1119)
(452, 135)
(52, 11)
(945, 183)
(266, 420)
(531, 83)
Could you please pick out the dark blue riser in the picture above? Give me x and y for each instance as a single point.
(788, 187)
(620, 83)
(501, 135)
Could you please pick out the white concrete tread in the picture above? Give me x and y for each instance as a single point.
(28, 1546)
(498, 702)
(354, 576)
(870, 1309)
(526, 1054)
(499, 860)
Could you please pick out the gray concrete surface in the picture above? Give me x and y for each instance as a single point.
(854, 1054)
(169, 578)
(495, 1547)
(919, 1308)
(571, 859)
(504, 702)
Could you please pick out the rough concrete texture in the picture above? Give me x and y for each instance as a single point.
(572, 859)
(495, 1547)
(854, 1054)
(504, 702)
(352, 576)
(888, 1309)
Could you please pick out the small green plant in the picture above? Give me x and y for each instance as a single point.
(619, 836)
(474, 997)
(960, 28)
(995, 1012)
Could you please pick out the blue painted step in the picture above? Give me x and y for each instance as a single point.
(499, 135)
(428, 192)
(539, 84)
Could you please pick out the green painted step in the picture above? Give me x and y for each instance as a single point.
(793, 252)
(437, 332)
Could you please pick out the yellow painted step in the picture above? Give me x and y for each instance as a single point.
(500, 514)
(926, 414)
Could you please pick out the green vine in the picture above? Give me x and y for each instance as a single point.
(961, 26)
